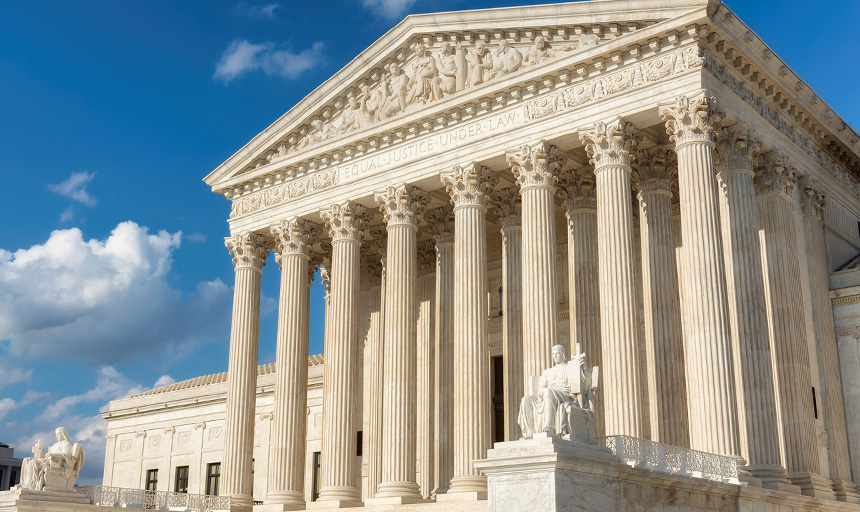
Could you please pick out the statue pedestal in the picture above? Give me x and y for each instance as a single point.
(56, 481)
(25, 500)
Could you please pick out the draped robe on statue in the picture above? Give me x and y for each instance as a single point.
(547, 409)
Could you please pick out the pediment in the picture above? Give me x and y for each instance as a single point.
(429, 59)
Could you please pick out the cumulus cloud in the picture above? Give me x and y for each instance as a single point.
(105, 301)
(389, 8)
(75, 188)
(257, 12)
(242, 56)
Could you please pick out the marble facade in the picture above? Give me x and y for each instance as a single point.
(649, 183)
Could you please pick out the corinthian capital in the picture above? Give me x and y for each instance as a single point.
(293, 236)
(737, 149)
(507, 204)
(776, 174)
(655, 170)
(610, 143)
(401, 204)
(441, 221)
(813, 199)
(426, 251)
(535, 165)
(577, 189)
(469, 185)
(345, 221)
(691, 120)
(248, 250)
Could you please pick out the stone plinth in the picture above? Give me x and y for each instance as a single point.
(50, 501)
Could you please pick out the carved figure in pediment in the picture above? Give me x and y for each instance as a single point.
(448, 69)
(356, 114)
(506, 60)
(425, 77)
(538, 53)
(480, 62)
(394, 89)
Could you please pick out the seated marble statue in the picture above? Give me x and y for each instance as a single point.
(563, 389)
(55, 471)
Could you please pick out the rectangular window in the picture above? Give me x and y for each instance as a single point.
(316, 473)
(151, 479)
(181, 484)
(13, 477)
(358, 443)
(213, 478)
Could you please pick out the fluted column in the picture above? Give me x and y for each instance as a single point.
(374, 261)
(711, 395)
(535, 168)
(338, 477)
(653, 175)
(578, 190)
(610, 147)
(426, 360)
(813, 203)
(468, 187)
(508, 208)
(776, 184)
(289, 430)
(400, 205)
(441, 222)
(249, 255)
(757, 418)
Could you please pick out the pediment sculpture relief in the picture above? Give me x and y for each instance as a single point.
(429, 76)
(563, 403)
(56, 470)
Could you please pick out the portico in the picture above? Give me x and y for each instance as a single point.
(569, 148)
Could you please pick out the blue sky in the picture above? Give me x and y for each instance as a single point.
(113, 273)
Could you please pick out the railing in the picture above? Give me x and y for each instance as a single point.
(154, 500)
(672, 459)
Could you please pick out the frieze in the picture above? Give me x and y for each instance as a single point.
(776, 119)
(284, 192)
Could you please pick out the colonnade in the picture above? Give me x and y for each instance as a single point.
(725, 338)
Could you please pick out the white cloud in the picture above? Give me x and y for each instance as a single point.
(75, 187)
(7, 405)
(196, 237)
(105, 301)
(242, 56)
(68, 214)
(164, 380)
(389, 8)
(258, 11)
(9, 376)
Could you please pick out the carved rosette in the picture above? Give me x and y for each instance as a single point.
(656, 170)
(814, 199)
(507, 203)
(469, 185)
(776, 174)
(691, 120)
(293, 236)
(578, 189)
(612, 143)
(536, 165)
(401, 204)
(426, 257)
(345, 221)
(737, 149)
(441, 222)
(249, 250)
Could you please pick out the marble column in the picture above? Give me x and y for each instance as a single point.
(374, 261)
(653, 175)
(535, 168)
(289, 432)
(468, 187)
(441, 222)
(338, 477)
(776, 184)
(110, 454)
(426, 366)
(757, 418)
(508, 208)
(400, 206)
(610, 148)
(577, 189)
(813, 203)
(711, 396)
(249, 255)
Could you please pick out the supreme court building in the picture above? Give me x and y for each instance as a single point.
(643, 181)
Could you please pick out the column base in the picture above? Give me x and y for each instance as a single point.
(846, 491)
(462, 496)
(278, 507)
(286, 499)
(399, 490)
(774, 478)
(334, 503)
(395, 500)
(241, 503)
(339, 493)
(468, 484)
(813, 485)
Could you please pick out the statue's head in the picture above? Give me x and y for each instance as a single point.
(540, 41)
(62, 434)
(559, 354)
(37, 450)
(503, 44)
(479, 46)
